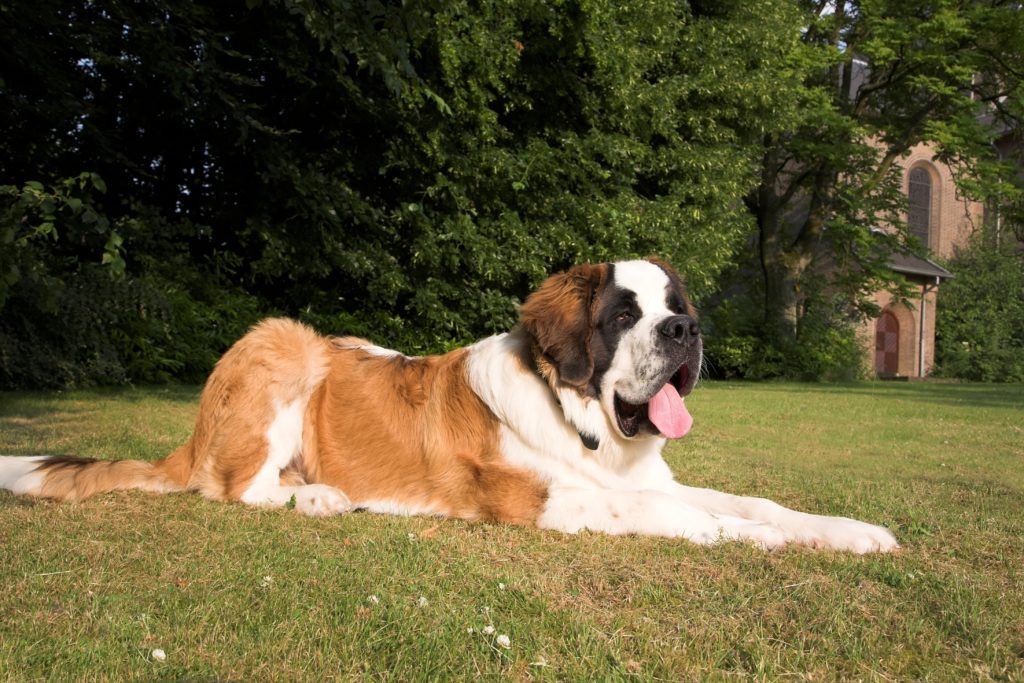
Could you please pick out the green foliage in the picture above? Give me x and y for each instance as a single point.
(100, 331)
(42, 230)
(826, 346)
(749, 357)
(409, 171)
(404, 171)
(980, 322)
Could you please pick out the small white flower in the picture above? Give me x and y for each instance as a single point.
(501, 586)
(488, 630)
(267, 581)
(470, 630)
(373, 599)
(412, 536)
(158, 655)
(503, 641)
(423, 602)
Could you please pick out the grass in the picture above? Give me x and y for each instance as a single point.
(91, 589)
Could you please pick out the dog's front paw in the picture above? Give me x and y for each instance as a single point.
(840, 533)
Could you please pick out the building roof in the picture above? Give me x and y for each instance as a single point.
(908, 264)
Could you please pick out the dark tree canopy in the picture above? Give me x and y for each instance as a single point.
(172, 171)
(401, 170)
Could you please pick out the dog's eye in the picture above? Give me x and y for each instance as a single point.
(624, 317)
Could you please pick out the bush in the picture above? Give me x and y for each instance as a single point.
(826, 346)
(73, 314)
(101, 332)
(979, 328)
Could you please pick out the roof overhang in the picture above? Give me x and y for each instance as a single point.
(917, 266)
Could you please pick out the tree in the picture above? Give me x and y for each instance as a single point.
(406, 171)
(886, 75)
(535, 135)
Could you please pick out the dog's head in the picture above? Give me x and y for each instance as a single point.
(624, 334)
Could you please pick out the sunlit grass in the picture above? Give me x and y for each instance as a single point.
(91, 589)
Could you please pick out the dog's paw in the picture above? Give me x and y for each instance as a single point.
(320, 500)
(839, 533)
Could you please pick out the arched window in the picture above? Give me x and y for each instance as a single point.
(919, 214)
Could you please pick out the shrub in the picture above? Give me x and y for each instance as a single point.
(825, 348)
(100, 332)
(979, 328)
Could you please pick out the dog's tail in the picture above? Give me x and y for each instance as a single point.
(72, 478)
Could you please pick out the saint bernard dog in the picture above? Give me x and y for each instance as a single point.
(558, 424)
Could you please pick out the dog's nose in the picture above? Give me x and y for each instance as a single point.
(682, 329)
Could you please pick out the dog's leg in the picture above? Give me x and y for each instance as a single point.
(651, 513)
(315, 500)
(818, 531)
(284, 443)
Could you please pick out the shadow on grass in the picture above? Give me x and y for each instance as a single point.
(961, 395)
(21, 406)
(41, 422)
(34, 403)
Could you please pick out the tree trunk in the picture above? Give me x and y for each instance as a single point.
(786, 253)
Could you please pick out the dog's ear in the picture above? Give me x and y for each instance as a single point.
(559, 316)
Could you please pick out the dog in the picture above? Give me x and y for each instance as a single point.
(557, 424)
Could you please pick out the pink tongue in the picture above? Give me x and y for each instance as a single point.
(668, 413)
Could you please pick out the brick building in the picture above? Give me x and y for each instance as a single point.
(901, 341)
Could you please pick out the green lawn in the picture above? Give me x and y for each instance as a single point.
(91, 589)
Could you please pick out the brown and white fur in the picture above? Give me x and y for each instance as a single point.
(544, 426)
